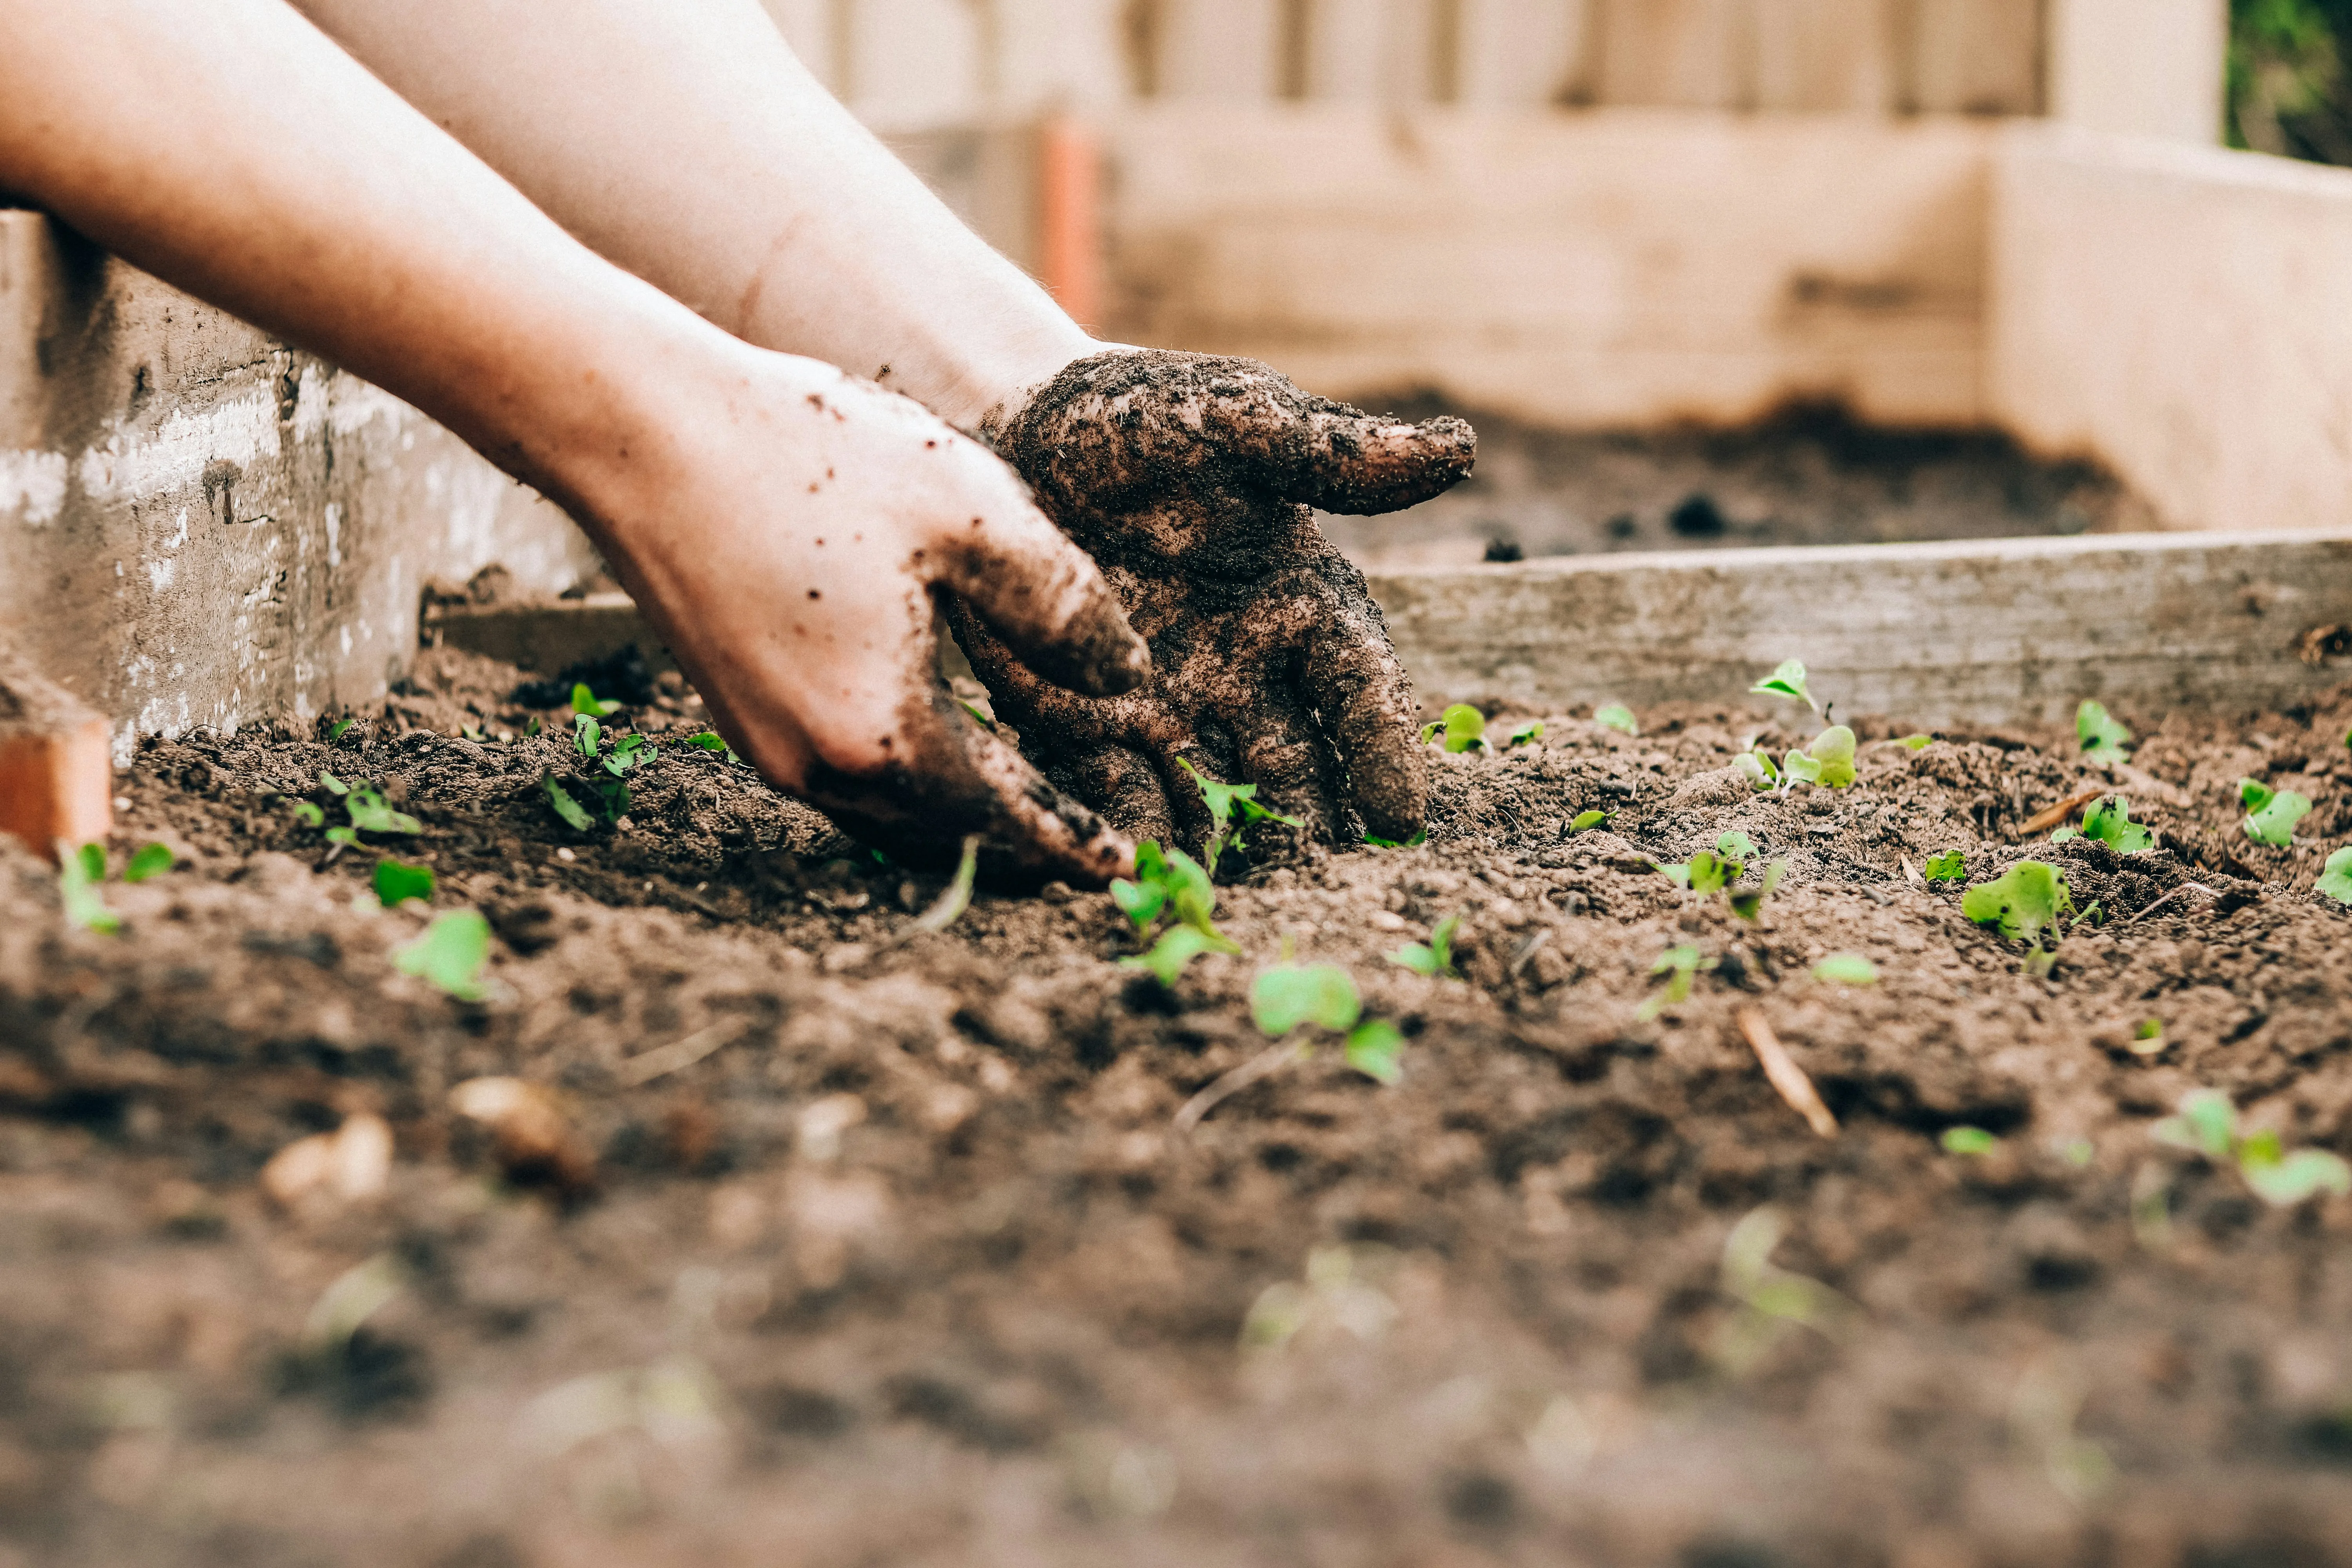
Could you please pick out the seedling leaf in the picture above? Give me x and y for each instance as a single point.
(629, 752)
(346, 837)
(2274, 823)
(710, 741)
(2336, 881)
(1748, 903)
(79, 889)
(1376, 1048)
(2102, 736)
(2207, 1124)
(1759, 769)
(1415, 842)
(1139, 901)
(1952, 866)
(570, 810)
(2148, 1040)
(1463, 726)
(1787, 681)
(1283, 998)
(2024, 903)
(584, 703)
(2290, 1179)
(953, 903)
(1969, 1140)
(979, 718)
(1737, 847)
(1434, 958)
(1617, 716)
(2254, 794)
(335, 730)
(309, 814)
(1846, 969)
(1916, 742)
(587, 735)
(1829, 761)
(1681, 966)
(147, 861)
(333, 785)
(1522, 733)
(2110, 822)
(370, 813)
(1586, 821)
(450, 954)
(1225, 802)
(396, 882)
(1177, 946)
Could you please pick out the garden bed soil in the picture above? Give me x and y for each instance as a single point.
(904, 1261)
(1809, 474)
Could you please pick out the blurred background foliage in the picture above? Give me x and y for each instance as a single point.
(2289, 90)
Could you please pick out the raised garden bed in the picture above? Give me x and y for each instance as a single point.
(854, 1243)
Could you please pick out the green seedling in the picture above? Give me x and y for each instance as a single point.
(979, 718)
(1761, 772)
(587, 736)
(630, 751)
(957, 898)
(1291, 996)
(2275, 813)
(2208, 1125)
(1846, 969)
(1735, 846)
(710, 741)
(1681, 966)
(2102, 739)
(472, 733)
(335, 730)
(369, 812)
(310, 813)
(1952, 866)
(1523, 734)
(584, 703)
(1787, 681)
(1969, 1140)
(1916, 742)
(1415, 842)
(1772, 1300)
(80, 872)
(147, 861)
(1704, 872)
(2148, 1040)
(450, 954)
(1463, 726)
(1617, 716)
(532, 728)
(1828, 761)
(572, 811)
(333, 785)
(1233, 811)
(1170, 882)
(396, 883)
(1170, 956)
(1434, 958)
(1748, 903)
(2335, 878)
(2110, 822)
(1586, 821)
(2027, 900)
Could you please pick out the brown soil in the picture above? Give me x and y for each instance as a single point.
(1808, 475)
(911, 1267)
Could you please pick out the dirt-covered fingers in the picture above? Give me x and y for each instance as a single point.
(1043, 596)
(1354, 680)
(1281, 754)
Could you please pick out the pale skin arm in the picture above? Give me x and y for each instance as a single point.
(688, 144)
(785, 527)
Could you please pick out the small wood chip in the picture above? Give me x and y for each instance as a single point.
(647, 1066)
(2058, 815)
(1786, 1075)
(1911, 873)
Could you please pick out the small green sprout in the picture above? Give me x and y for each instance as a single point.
(1586, 821)
(1704, 872)
(1846, 969)
(1434, 958)
(2335, 878)
(81, 873)
(450, 954)
(2208, 1125)
(2148, 1040)
(979, 718)
(1462, 726)
(1170, 882)
(2079, 1153)
(1772, 1299)
(2102, 737)
(1760, 770)
(147, 861)
(1170, 956)
(335, 730)
(2109, 821)
(1748, 903)
(1415, 842)
(570, 810)
(309, 814)
(1828, 761)
(1787, 681)
(532, 728)
(2027, 900)
(710, 741)
(630, 751)
(1224, 801)
(369, 812)
(1523, 734)
(2272, 820)
(587, 736)
(333, 785)
(1681, 966)
(1969, 1140)
(1290, 996)
(1735, 846)
(1952, 866)
(395, 882)
(953, 903)
(2254, 794)
(584, 703)
(1916, 742)
(1616, 716)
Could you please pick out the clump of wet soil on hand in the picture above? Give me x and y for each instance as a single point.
(893, 1253)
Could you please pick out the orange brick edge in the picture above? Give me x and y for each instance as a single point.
(56, 773)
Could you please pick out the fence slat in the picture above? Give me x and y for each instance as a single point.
(1825, 55)
(1681, 54)
(1977, 57)
(1222, 49)
(1522, 54)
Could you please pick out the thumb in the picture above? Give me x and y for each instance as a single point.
(1359, 464)
(1048, 601)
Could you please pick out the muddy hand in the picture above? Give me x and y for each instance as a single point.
(1192, 482)
(795, 550)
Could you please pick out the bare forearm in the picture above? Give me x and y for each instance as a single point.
(235, 150)
(691, 147)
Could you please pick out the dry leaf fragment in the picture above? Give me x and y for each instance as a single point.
(1786, 1075)
(535, 1141)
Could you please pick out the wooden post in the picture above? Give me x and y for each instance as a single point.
(1814, 55)
(1976, 57)
(1675, 54)
(1069, 219)
(1228, 50)
(56, 779)
(2144, 68)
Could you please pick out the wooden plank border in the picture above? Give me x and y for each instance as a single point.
(1993, 631)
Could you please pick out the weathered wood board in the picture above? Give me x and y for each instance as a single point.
(2000, 631)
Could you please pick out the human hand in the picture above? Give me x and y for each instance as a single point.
(1190, 480)
(791, 537)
